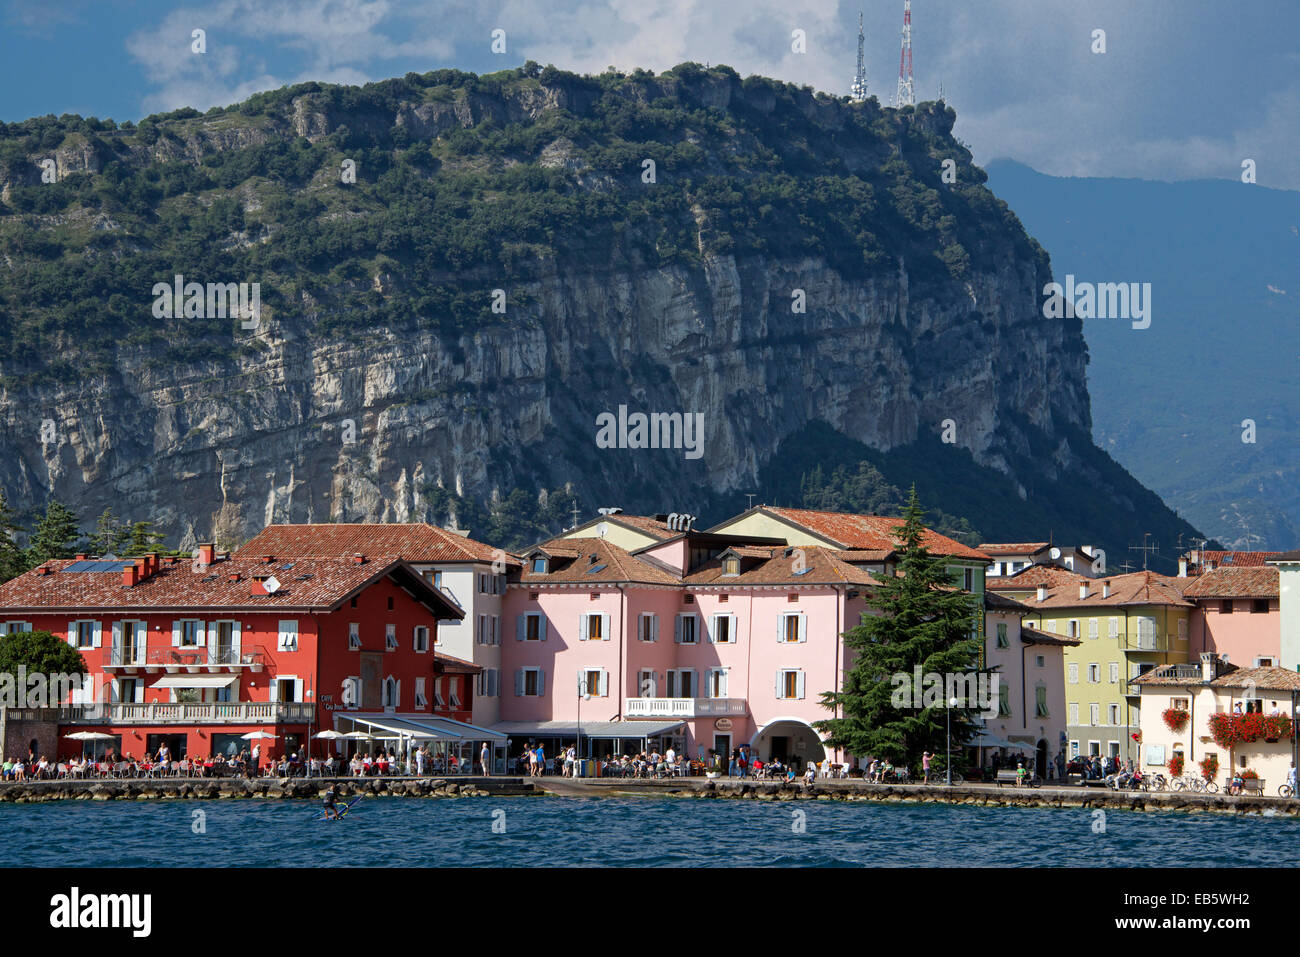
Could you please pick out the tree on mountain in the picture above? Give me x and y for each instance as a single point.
(56, 535)
(923, 622)
(12, 563)
(142, 539)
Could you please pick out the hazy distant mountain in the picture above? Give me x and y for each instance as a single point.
(1223, 346)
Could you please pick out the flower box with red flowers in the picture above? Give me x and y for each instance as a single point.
(1175, 719)
(1229, 729)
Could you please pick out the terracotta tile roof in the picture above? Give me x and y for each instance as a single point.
(456, 666)
(414, 542)
(1230, 559)
(1135, 588)
(648, 525)
(1230, 676)
(612, 565)
(865, 554)
(996, 602)
(1035, 636)
(1286, 557)
(777, 567)
(873, 532)
(1250, 582)
(1053, 576)
(180, 586)
(1013, 548)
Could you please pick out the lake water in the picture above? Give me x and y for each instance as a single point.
(633, 832)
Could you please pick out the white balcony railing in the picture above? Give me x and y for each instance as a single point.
(683, 707)
(221, 712)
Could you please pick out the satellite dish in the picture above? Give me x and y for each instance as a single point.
(601, 529)
(1055, 553)
(272, 585)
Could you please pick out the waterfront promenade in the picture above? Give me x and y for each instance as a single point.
(133, 789)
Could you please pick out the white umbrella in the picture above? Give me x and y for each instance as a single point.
(255, 734)
(358, 736)
(330, 735)
(90, 736)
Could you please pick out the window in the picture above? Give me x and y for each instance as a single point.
(731, 566)
(84, 634)
(717, 683)
(390, 602)
(1259, 606)
(1004, 700)
(1002, 635)
(420, 638)
(1050, 625)
(1179, 704)
(15, 627)
(1225, 607)
(593, 627)
(1113, 631)
(539, 566)
(1040, 661)
(595, 682)
(1074, 713)
(1092, 627)
(793, 628)
(421, 701)
(1114, 672)
(439, 702)
(646, 683)
(1074, 674)
(390, 637)
(1114, 714)
(1182, 629)
(1265, 663)
(968, 579)
(1074, 749)
(1094, 673)
(648, 627)
(482, 584)
(1040, 701)
(187, 633)
(687, 630)
(288, 636)
(354, 636)
(789, 684)
(681, 682)
(724, 629)
(496, 629)
(530, 682)
(530, 626)
(392, 692)
(1072, 628)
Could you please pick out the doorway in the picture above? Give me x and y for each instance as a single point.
(722, 748)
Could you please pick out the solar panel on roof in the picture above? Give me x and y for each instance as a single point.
(97, 566)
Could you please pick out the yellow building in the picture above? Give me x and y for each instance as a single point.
(1126, 625)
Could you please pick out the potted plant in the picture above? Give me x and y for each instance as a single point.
(1210, 767)
(1175, 766)
(1175, 719)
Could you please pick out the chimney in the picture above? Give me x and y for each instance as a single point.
(358, 558)
(131, 574)
(1105, 589)
(1209, 666)
(81, 558)
(42, 570)
(1042, 593)
(207, 552)
(1083, 589)
(258, 587)
(1182, 568)
(269, 559)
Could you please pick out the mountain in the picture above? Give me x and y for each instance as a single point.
(461, 275)
(1169, 401)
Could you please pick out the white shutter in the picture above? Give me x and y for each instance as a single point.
(96, 634)
(799, 685)
(604, 683)
(582, 627)
(140, 631)
(521, 627)
(72, 633)
(117, 643)
(803, 633)
(519, 682)
(779, 685)
(722, 683)
(1114, 628)
(780, 627)
(713, 629)
(297, 689)
(604, 625)
(235, 650)
(273, 690)
(212, 642)
(139, 692)
(176, 634)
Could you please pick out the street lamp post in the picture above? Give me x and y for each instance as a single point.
(952, 703)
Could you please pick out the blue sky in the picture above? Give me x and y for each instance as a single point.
(1186, 88)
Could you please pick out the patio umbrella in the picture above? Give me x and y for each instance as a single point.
(256, 734)
(89, 736)
(330, 735)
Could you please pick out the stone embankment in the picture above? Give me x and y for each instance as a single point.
(141, 789)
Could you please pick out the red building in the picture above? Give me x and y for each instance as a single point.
(199, 653)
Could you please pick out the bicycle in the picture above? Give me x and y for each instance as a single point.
(1286, 791)
(1154, 782)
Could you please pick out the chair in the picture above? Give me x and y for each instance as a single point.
(61, 770)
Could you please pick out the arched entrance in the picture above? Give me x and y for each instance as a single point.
(788, 739)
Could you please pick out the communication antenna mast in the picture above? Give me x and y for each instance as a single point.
(858, 91)
(906, 95)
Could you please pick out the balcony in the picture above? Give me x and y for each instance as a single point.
(162, 712)
(190, 660)
(683, 707)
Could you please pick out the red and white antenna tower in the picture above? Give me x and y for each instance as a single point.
(906, 95)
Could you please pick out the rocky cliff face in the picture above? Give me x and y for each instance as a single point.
(285, 423)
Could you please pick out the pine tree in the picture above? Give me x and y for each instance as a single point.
(110, 535)
(924, 622)
(56, 535)
(142, 539)
(12, 563)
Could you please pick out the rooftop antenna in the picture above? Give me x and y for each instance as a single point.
(749, 500)
(1144, 548)
(906, 95)
(575, 516)
(858, 91)
(941, 97)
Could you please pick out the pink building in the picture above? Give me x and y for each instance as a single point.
(1237, 614)
(699, 640)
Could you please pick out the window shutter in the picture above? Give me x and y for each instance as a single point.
(1114, 628)
(212, 642)
(654, 627)
(803, 636)
(96, 634)
(799, 686)
(677, 629)
(780, 626)
(72, 633)
(541, 682)
(496, 629)
(141, 642)
(722, 684)
(604, 625)
(780, 686)
(235, 631)
(604, 683)
(519, 682)
(582, 627)
(117, 642)
(541, 627)
(521, 627)
(273, 690)
(176, 634)
(1092, 627)
(713, 629)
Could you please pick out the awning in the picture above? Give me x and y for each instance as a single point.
(195, 681)
(628, 730)
(417, 727)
